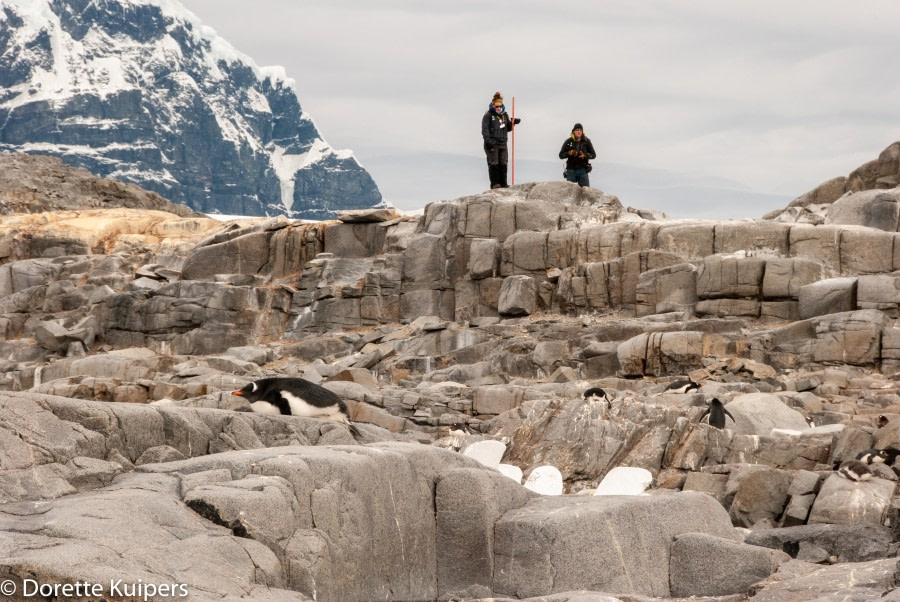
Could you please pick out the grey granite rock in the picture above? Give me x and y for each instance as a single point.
(847, 543)
(557, 544)
(706, 565)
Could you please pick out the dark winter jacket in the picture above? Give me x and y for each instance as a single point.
(584, 152)
(495, 127)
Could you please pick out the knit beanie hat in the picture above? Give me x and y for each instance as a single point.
(577, 126)
(497, 96)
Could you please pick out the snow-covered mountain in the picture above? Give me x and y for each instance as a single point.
(141, 91)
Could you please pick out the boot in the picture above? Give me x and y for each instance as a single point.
(493, 172)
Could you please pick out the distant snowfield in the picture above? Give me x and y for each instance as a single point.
(227, 218)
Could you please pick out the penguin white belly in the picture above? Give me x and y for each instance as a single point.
(300, 407)
(264, 407)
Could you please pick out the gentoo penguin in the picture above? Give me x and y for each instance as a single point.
(882, 421)
(682, 386)
(872, 456)
(596, 394)
(855, 471)
(878, 456)
(717, 412)
(295, 397)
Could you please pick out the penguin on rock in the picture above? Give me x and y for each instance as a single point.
(854, 470)
(717, 412)
(682, 386)
(296, 397)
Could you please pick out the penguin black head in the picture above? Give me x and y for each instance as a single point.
(890, 455)
(251, 392)
(882, 421)
(263, 399)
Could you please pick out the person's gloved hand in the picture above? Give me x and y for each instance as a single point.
(573, 152)
(581, 155)
(517, 121)
(489, 147)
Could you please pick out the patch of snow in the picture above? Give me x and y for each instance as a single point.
(625, 480)
(221, 217)
(786, 432)
(546, 480)
(513, 472)
(286, 167)
(257, 102)
(45, 147)
(488, 452)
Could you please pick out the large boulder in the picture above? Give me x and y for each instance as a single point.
(137, 532)
(829, 296)
(617, 544)
(706, 565)
(760, 493)
(845, 502)
(518, 296)
(759, 413)
(799, 581)
(872, 208)
(847, 543)
(468, 504)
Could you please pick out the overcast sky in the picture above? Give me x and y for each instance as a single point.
(759, 96)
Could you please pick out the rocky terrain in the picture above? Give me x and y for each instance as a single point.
(123, 454)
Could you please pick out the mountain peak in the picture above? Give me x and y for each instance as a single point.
(142, 91)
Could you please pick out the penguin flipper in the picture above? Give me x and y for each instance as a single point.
(727, 413)
(703, 415)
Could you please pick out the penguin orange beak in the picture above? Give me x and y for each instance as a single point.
(238, 393)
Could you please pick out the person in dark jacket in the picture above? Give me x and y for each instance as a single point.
(577, 150)
(495, 127)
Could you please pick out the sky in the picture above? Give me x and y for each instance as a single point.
(700, 108)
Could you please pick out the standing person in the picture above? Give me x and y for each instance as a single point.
(577, 150)
(495, 127)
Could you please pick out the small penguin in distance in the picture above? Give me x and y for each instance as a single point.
(596, 394)
(460, 429)
(296, 397)
(717, 412)
(682, 386)
(855, 470)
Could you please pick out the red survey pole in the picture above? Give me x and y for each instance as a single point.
(513, 158)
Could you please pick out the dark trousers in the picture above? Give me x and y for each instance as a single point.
(578, 175)
(497, 158)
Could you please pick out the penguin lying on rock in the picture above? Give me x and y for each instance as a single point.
(682, 386)
(296, 397)
(717, 412)
(596, 394)
(878, 456)
(855, 470)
